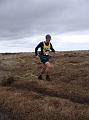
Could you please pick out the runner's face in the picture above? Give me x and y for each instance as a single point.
(48, 40)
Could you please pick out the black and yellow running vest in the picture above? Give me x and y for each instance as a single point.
(46, 48)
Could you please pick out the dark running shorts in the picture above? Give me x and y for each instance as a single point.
(44, 58)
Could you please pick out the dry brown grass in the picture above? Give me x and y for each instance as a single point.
(24, 97)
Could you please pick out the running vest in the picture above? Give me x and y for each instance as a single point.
(46, 49)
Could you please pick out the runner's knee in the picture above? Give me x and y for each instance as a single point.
(48, 65)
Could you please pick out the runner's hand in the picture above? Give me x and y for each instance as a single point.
(37, 56)
(37, 60)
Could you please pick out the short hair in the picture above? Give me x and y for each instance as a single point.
(48, 36)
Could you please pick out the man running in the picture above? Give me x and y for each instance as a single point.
(45, 47)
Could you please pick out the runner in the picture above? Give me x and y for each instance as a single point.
(45, 46)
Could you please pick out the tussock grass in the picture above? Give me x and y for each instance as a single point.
(24, 97)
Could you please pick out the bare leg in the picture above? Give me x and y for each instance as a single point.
(43, 68)
(49, 67)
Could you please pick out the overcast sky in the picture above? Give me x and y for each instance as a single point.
(24, 21)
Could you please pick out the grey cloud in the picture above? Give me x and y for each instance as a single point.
(19, 18)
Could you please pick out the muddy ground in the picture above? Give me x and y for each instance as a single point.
(64, 97)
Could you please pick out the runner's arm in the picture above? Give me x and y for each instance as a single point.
(37, 47)
(51, 47)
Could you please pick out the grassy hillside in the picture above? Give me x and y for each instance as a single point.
(24, 97)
